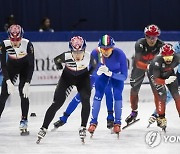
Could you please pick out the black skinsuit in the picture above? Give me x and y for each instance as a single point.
(20, 62)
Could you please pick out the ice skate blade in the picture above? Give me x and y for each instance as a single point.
(24, 132)
(117, 135)
(91, 135)
(109, 127)
(38, 140)
(83, 141)
(111, 130)
(134, 121)
(164, 130)
(54, 129)
(148, 125)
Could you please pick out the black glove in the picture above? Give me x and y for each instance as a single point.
(167, 74)
(59, 66)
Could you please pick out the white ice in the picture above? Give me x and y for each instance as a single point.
(66, 139)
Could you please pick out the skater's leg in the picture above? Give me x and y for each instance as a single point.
(173, 88)
(71, 107)
(24, 101)
(84, 90)
(59, 98)
(3, 97)
(100, 86)
(109, 102)
(136, 80)
(168, 99)
(118, 87)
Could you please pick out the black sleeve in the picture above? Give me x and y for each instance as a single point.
(156, 65)
(3, 61)
(59, 60)
(30, 51)
(92, 65)
(138, 50)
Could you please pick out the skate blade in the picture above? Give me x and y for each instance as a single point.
(110, 127)
(148, 125)
(164, 130)
(91, 134)
(117, 135)
(83, 140)
(38, 140)
(111, 130)
(54, 129)
(24, 132)
(133, 122)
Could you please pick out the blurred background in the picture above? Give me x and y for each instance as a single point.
(113, 15)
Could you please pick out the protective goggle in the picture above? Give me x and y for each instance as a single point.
(15, 39)
(168, 58)
(151, 37)
(78, 51)
(104, 50)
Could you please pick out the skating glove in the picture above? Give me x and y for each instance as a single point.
(10, 87)
(148, 66)
(103, 69)
(26, 90)
(170, 79)
(59, 66)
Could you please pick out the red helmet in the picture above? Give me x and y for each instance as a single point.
(77, 43)
(152, 30)
(167, 50)
(15, 32)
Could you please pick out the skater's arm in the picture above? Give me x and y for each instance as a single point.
(156, 64)
(122, 75)
(3, 61)
(59, 60)
(93, 64)
(138, 53)
(30, 51)
(167, 76)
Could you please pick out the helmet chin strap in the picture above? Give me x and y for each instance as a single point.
(16, 45)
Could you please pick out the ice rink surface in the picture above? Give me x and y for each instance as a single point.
(66, 139)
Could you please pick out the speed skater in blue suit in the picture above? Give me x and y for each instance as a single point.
(113, 70)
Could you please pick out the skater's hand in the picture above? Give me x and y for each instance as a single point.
(59, 66)
(99, 72)
(170, 79)
(10, 87)
(103, 69)
(148, 67)
(26, 90)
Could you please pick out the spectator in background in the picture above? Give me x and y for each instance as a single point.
(10, 21)
(46, 25)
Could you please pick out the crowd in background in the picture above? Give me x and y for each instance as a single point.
(45, 24)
